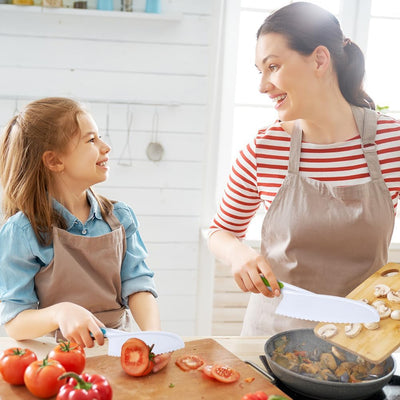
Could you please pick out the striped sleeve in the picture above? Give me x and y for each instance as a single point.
(241, 199)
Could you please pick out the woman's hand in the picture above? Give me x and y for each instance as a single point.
(247, 265)
(161, 361)
(77, 324)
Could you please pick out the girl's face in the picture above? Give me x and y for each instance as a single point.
(85, 162)
(286, 76)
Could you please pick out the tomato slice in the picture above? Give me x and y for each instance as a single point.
(224, 374)
(206, 369)
(189, 362)
(135, 357)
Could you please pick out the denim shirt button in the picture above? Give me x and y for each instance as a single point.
(84, 232)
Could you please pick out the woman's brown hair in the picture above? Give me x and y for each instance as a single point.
(45, 124)
(307, 26)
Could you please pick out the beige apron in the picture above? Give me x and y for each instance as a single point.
(87, 271)
(327, 239)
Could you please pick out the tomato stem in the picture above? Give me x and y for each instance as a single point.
(80, 382)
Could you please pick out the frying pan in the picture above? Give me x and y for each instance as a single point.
(304, 339)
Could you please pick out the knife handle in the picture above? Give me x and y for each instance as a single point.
(103, 331)
(265, 280)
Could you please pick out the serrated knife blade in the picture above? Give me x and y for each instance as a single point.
(303, 304)
(164, 342)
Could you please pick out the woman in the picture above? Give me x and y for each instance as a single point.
(326, 172)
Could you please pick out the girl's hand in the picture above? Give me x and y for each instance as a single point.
(161, 361)
(247, 265)
(77, 324)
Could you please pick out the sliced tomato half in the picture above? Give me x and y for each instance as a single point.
(206, 369)
(189, 362)
(224, 374)
(136, 357)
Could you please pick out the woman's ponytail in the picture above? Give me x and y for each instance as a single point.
(351, 75)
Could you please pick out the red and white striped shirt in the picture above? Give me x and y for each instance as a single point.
(262, 166)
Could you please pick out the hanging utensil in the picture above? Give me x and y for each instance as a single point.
(107, 136)
(125, 157)
(154, 150)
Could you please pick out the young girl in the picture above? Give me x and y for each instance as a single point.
(70, 260)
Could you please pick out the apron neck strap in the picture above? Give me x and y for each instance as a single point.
(366, 121)
(295, 148)
(112, 221)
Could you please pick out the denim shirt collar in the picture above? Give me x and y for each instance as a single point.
(70, 219)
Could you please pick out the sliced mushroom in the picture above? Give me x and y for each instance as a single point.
(327, 331)
(383, 310)
(378, 303)
(371, 325)
(338, 354)
(352, 330)
(381, 290)
(394, 296)
(395, 314)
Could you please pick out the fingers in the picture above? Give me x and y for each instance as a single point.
(247, 277)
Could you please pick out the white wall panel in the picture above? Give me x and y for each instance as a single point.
(113, 56)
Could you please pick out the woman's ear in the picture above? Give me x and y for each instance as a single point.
(322, 59)
(52, 161)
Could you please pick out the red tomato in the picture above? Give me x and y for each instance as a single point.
(224, 373)
(255, 396)
(136, 357)
(70, 355)
(206, 369)
(188, 362)
(13, 363)
(41, 378)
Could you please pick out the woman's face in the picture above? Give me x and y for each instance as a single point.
(287, 76)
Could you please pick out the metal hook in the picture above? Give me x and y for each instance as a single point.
(16, 111)
(127, 162)
(107, 135)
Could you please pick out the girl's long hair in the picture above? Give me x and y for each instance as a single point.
(307, 26)
(46, 124)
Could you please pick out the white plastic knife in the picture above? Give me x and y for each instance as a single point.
(164, 342)
(303, 304)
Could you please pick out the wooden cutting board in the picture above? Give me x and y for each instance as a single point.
(373, 345)
(172, 382)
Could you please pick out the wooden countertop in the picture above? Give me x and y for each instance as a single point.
(244, 347)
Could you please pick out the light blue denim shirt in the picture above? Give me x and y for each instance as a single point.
(21, 256)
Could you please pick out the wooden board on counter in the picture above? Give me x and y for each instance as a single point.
(172, 382)
(373, 345)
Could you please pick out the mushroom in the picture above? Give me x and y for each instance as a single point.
(378, 303)
(371, 325)
(381, 290)
(394, 296)
(352, 330)
(383, 310)
(395, 314)
(338, 354)
(365, 301)
(327, 331)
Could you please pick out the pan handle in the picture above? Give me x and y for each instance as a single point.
(261, 371)
(395, 380)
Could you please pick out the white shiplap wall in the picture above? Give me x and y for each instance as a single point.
(137, 65)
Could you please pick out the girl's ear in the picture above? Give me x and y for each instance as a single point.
(322, 59)
(52, 161)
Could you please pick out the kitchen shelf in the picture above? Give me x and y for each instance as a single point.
(91, 12)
